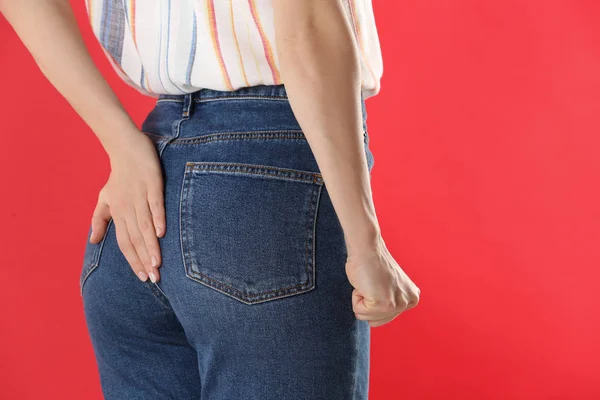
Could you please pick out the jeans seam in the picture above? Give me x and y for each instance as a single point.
(237, 97)
(159, 293)
(254, 169)
(215, 136)
(242, 97)
(96, 262)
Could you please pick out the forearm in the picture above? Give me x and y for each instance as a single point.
(49, 31)
(321, 71)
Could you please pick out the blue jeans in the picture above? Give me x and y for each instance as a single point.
(253, 301)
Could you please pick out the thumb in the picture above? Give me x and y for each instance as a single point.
(359, 305)
(100, 220)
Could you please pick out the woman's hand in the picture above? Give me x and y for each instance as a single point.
(133, 195)
(382, 290)
(134, 198)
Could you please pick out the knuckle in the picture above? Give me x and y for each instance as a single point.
(388, 306)
(156, 204)
(415, 301)
(136, 241)
(145, 225)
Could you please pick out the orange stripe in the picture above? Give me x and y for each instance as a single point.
(266, 44)
(237, 45)
(147, 83)
(132, 20)
(358, 34)
(215, 38)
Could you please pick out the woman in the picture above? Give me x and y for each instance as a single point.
(234, 251)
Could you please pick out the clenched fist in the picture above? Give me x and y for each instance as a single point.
(382, 290)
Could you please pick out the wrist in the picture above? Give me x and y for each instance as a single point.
(367, 241)
(121, 142)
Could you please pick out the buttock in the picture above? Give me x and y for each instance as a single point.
(253, 260)
(254, 268)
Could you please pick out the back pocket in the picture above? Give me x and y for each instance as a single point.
(248, 231)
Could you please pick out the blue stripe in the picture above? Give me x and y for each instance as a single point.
(142, 79)
(125, 8)
(188, 75)
(103, 22)
(112, 29)
(128, 19)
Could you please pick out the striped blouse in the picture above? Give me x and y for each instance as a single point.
(181, 46)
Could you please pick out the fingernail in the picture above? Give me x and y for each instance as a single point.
(154, 262)
(143, 276)
(153, 277)
(158, 231)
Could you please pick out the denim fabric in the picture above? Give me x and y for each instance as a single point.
(253, 301)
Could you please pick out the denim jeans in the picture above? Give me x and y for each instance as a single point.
(253, 301)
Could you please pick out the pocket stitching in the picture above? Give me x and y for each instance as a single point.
(253, 169)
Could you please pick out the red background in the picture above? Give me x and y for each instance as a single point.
(485, 138)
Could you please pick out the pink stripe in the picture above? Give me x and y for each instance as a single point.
(215, 38)
(266, 44)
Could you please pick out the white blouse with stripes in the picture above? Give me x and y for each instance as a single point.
(181, 46)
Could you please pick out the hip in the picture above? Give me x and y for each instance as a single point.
(252, 125)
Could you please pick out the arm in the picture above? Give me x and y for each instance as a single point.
(66, 63)
(133, 193)
(321, 71)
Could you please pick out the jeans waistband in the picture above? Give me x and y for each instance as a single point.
(260, 91)
(231, 116)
